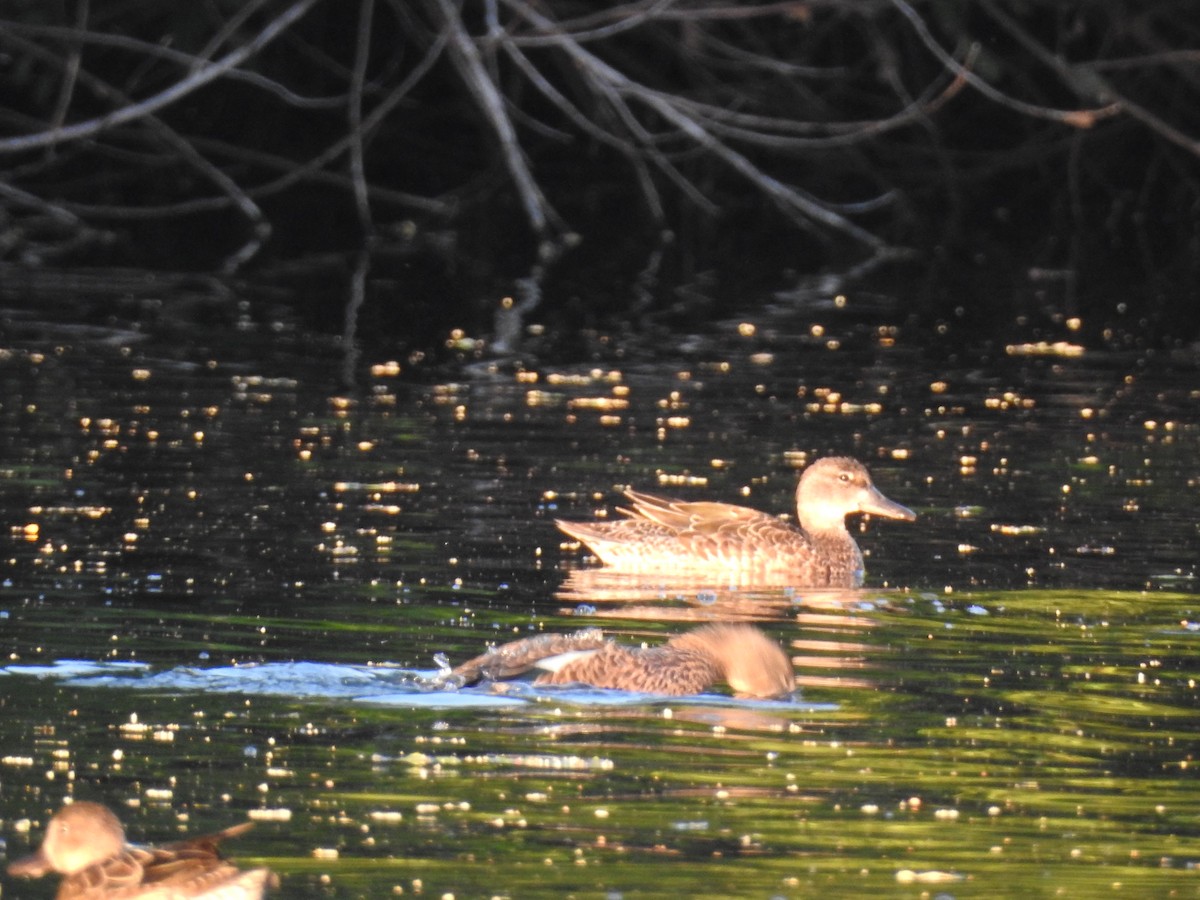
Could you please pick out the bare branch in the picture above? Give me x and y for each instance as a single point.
(491, 103)
(1078, 118)
(362, 52)
(164, 98)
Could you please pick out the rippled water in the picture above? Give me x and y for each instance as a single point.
(225, 579)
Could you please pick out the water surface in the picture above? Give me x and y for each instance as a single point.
(225, 579)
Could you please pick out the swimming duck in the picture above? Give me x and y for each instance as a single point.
(85, 843)
(720, 539)
(740, 655)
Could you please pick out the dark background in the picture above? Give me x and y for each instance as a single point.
(985, 163)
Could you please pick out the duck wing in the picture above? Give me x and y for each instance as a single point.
(122, 875)
(699, 516)
(655, 670)
(515, 658)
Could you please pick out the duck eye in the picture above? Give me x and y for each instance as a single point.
(844, 477)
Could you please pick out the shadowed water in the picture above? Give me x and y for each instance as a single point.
(226, 583)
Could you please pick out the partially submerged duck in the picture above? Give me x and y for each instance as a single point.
(741, 656)
(85, 843)
(667, 536)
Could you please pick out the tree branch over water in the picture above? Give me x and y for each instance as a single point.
(863, 129)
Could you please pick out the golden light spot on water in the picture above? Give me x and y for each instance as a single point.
(719, 463)
(458, 340)
(141, 374)
(669, 480)
(900, 453)
(269, 815)
(341, 403)
(32, 529)
(460, 413)
(746, 329)
(833, 344)
(795, 459)
(527, 377)
(610, 421)
(129, 537)
(1015, 530)
(389, 369)
(606, 403)
(678, 422)
(1074, 323)
(542, 398)
(762, 359)
(674, 400)
(938, 387)
(1043, 348)
(817, 331)
(621, 390)
(364, 446)
(966, 549)
(1009, 400)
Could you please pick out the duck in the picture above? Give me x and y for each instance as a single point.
(740, 655)
(662, 535)
(85, 843)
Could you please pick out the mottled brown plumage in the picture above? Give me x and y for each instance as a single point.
(85, 843)
(739, 655)
(719, 539)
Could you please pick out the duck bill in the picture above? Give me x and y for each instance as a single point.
(876, 504)
(33, 866)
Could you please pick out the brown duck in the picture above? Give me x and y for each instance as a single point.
(666, 536)
(741, 656)
(85, 843)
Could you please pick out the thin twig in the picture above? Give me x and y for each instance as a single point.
(475, 76)
(1074, 117)
(166, 97)
(71, 69)
(362, 52)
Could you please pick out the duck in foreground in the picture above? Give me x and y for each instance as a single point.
(741, 656)
(719, 539)
(85, 843)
